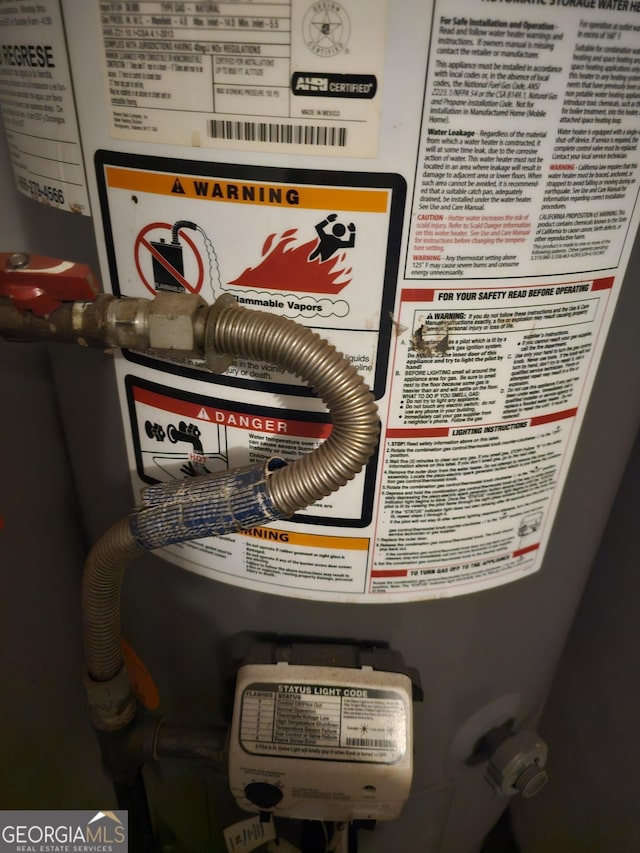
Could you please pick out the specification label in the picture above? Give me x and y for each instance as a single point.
(324, 721)
(38, 111)
(262, 76)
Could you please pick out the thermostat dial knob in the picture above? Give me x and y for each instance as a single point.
(263, 794)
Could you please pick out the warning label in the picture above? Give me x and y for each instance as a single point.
(320, 248)
(256, 75)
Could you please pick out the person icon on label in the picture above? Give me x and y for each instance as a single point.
(332, 239)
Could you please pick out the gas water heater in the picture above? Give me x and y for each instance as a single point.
(447, 194)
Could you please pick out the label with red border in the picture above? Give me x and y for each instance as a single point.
(489, 383)
(178, 434)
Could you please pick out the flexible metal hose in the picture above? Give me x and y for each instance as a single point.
(233, 330)
(101, 583)
(276, 340)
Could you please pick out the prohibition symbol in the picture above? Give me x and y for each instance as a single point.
(150, 256)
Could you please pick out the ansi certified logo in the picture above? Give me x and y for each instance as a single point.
(326, 28)
(334, 85)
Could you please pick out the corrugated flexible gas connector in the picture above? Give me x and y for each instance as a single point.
(247, 497)
(237, 331)
(210, 505)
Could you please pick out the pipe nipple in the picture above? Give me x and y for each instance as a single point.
(517, 765)
(532, 780)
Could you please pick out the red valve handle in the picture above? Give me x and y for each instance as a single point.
(40, 284)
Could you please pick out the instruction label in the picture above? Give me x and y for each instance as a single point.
(323, 721)
(273, 76)
(529, 149)
(38, 111)
(498, 374)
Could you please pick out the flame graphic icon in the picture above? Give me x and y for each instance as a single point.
(286, 265)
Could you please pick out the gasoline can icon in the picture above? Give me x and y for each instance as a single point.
(163, 275)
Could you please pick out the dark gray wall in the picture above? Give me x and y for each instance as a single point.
(592, 803)
(48, 752)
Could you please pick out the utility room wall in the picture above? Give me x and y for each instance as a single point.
(49, 752)
(592, 801)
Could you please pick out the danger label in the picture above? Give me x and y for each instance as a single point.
(238, 419)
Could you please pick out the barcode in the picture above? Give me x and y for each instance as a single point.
(287, 134)
(372, 742)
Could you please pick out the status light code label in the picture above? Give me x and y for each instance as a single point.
(324, 720)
